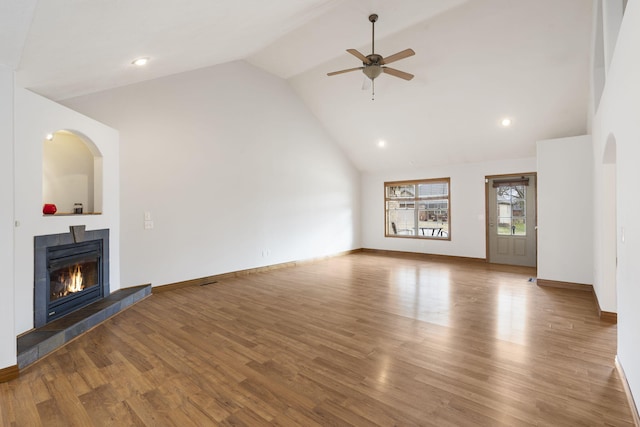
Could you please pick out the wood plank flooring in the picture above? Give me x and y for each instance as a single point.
(362, 340)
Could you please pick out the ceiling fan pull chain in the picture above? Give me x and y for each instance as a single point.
(373, 89)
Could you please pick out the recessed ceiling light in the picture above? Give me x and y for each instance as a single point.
(381, 143)
(139, 62)
(49, 137)
(506, 122)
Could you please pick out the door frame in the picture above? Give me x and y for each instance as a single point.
(486, 209)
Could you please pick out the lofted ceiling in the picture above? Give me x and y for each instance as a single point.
(476, 62)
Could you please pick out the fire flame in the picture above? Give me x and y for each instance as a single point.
(71, 282)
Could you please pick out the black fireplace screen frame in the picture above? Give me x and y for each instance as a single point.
(85, 244)
(66, 256)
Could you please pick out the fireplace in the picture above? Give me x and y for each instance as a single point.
(75, 277)
(71, 271)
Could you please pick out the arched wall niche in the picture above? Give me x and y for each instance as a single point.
(71, 172)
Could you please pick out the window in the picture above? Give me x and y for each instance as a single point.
(511, 199)
(418, 209)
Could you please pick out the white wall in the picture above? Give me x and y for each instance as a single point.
(605, 234)
(7, 329)
(607, 18)
(617, 119)
(605, 224)
(468, 225)
(234, 171)
(612, 19)
(35, 117)
(565, 206)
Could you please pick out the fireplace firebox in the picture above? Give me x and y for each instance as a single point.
(75, 277)
(71, 271)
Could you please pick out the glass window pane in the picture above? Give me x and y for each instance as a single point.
(437, 189)
(432, 219)
(400, 219)
(504, 226)
(518, 208)
(519, 227)
(401, 191)
(504, 210)
(511, 210)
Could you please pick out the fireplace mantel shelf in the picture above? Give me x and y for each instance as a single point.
(72, 214)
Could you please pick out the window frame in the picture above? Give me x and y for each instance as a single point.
(416, 200)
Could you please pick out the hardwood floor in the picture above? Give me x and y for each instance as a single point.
(362, 339)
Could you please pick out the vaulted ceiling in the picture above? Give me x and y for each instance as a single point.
(476, 62)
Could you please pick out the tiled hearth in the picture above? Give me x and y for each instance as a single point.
(39, 342)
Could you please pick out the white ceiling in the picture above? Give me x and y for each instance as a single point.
(476, 62)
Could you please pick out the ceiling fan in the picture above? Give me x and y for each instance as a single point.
(373, 65)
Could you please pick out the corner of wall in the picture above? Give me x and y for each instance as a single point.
(7, 309)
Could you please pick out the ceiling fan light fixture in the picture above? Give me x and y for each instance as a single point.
(372, 71)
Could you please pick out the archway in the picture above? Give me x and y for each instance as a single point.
(71, 172)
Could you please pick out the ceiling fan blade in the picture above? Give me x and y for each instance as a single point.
(333, 73)
(360, 56)
(397, 73)
(397, 56)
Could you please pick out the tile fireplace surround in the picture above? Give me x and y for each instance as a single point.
(77, 234)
